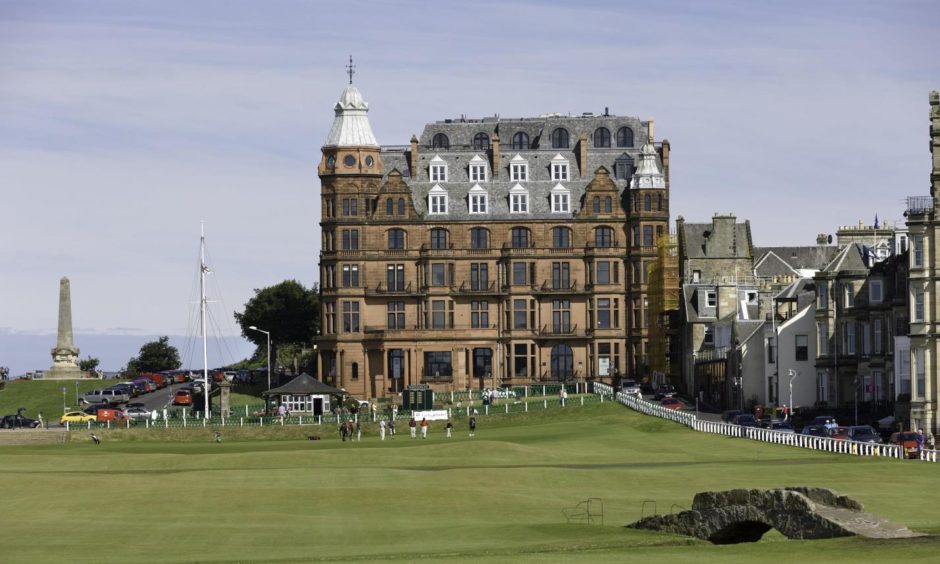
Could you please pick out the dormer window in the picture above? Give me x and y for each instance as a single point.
(438, 170)
(518, 169)
(477, 169)
(437, 201)
(559, 168)
(479, 200)
(518, 200)
(561, 199)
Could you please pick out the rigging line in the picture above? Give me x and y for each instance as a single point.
(230, 327)
(220, 341)
(193, 324)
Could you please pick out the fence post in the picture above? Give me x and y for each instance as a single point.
(109, 423)
(319, 419)
(241, 421)
(527, 392)
(582, 400)
(507, 406)
(544, 402)
(486, 408)
(526, 407)
(166, 423)
(543, 389)
(451, 397)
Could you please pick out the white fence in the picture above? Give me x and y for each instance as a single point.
(825, 444)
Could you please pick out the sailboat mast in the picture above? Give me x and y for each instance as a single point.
(203, 268)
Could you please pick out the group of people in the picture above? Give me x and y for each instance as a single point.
(925, 441)
(350, 430)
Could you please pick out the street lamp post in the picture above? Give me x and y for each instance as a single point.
(64, 407)
(268, 335)
(793, 375)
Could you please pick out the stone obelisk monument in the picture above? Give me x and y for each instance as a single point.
(65, 353)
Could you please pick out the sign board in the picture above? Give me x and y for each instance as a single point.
(603, 366)
(418, 387)
(431, 415)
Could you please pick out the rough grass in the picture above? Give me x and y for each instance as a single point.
(495, 498)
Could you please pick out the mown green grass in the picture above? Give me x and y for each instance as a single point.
(44, 396)
(495, 498)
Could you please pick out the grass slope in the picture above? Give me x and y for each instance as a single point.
(44, 396)
(496, 498)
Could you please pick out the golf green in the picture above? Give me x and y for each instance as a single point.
(497, 497)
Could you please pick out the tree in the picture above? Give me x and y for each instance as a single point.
(290, 312)
(155, 356)
(88, 364)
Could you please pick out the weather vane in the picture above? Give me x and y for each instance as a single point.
(350, 69)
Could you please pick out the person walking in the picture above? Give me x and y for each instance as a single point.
(449, 427)
(413, 427)
(342, 431)
(424, 428)
(382, 430)
(473, 425)
(391, 427)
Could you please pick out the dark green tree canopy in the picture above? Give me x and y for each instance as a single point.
(290, 312)
(155, 356)
(88, 364)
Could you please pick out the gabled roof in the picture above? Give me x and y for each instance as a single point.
(811, 257)
(305, 384)
(770, 264)
(850, 258)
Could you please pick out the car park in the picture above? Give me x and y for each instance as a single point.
(665, 391)
(183, 397)
(863, 434)
(777, 425)
(93, 408)
(907, 440)
(76, 417)
(146, 384)
(840, 433)
(671, 403)
(126, 388)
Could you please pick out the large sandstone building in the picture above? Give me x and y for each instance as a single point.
(488, 251)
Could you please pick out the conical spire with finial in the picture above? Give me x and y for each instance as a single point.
(648, 174)
(351, 126)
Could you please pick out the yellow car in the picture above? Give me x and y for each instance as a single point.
(76, 417)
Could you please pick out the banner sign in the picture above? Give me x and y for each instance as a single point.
(431, 415)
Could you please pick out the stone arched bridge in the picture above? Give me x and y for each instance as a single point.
(735, 516)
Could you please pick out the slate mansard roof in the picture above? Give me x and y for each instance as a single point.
(539, 157)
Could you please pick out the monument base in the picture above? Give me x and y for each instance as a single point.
(63, 373)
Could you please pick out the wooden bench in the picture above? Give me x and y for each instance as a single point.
(588, 511)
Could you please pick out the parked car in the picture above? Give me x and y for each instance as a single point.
(630, 387)
(92, 409)
(671, 403)
(134, 404)
(778, 425)
(145, 384)
(18, 421)
(197, 386)
(815, 431)
(863, 434)
(111, 414)
(126, 388)
(840, 433)
(137, 412)
(76, 417)
(113, 397)
(664, 391)
(183, 397)
(745, 420)
(728, 416)
(907, 440)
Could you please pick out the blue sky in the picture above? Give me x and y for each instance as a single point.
(124, 124)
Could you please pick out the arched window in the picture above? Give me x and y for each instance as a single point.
(562, 363)
(520, 238)
(440, 141)
(603, 237)
(355, 371)
(481, 142)
(396, 238)
(438, 238)
(401, 206)
(597, 204)
(608, 205)
(636, 202)
(479, 238)
(561, 237)
(520, 140)
(647, 203)
(389, 206)
(659, 202)
(560, 138)
(602, 137)
(624, 137)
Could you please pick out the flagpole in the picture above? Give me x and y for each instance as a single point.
(202, 317)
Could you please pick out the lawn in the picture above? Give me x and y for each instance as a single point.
(495, 498)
